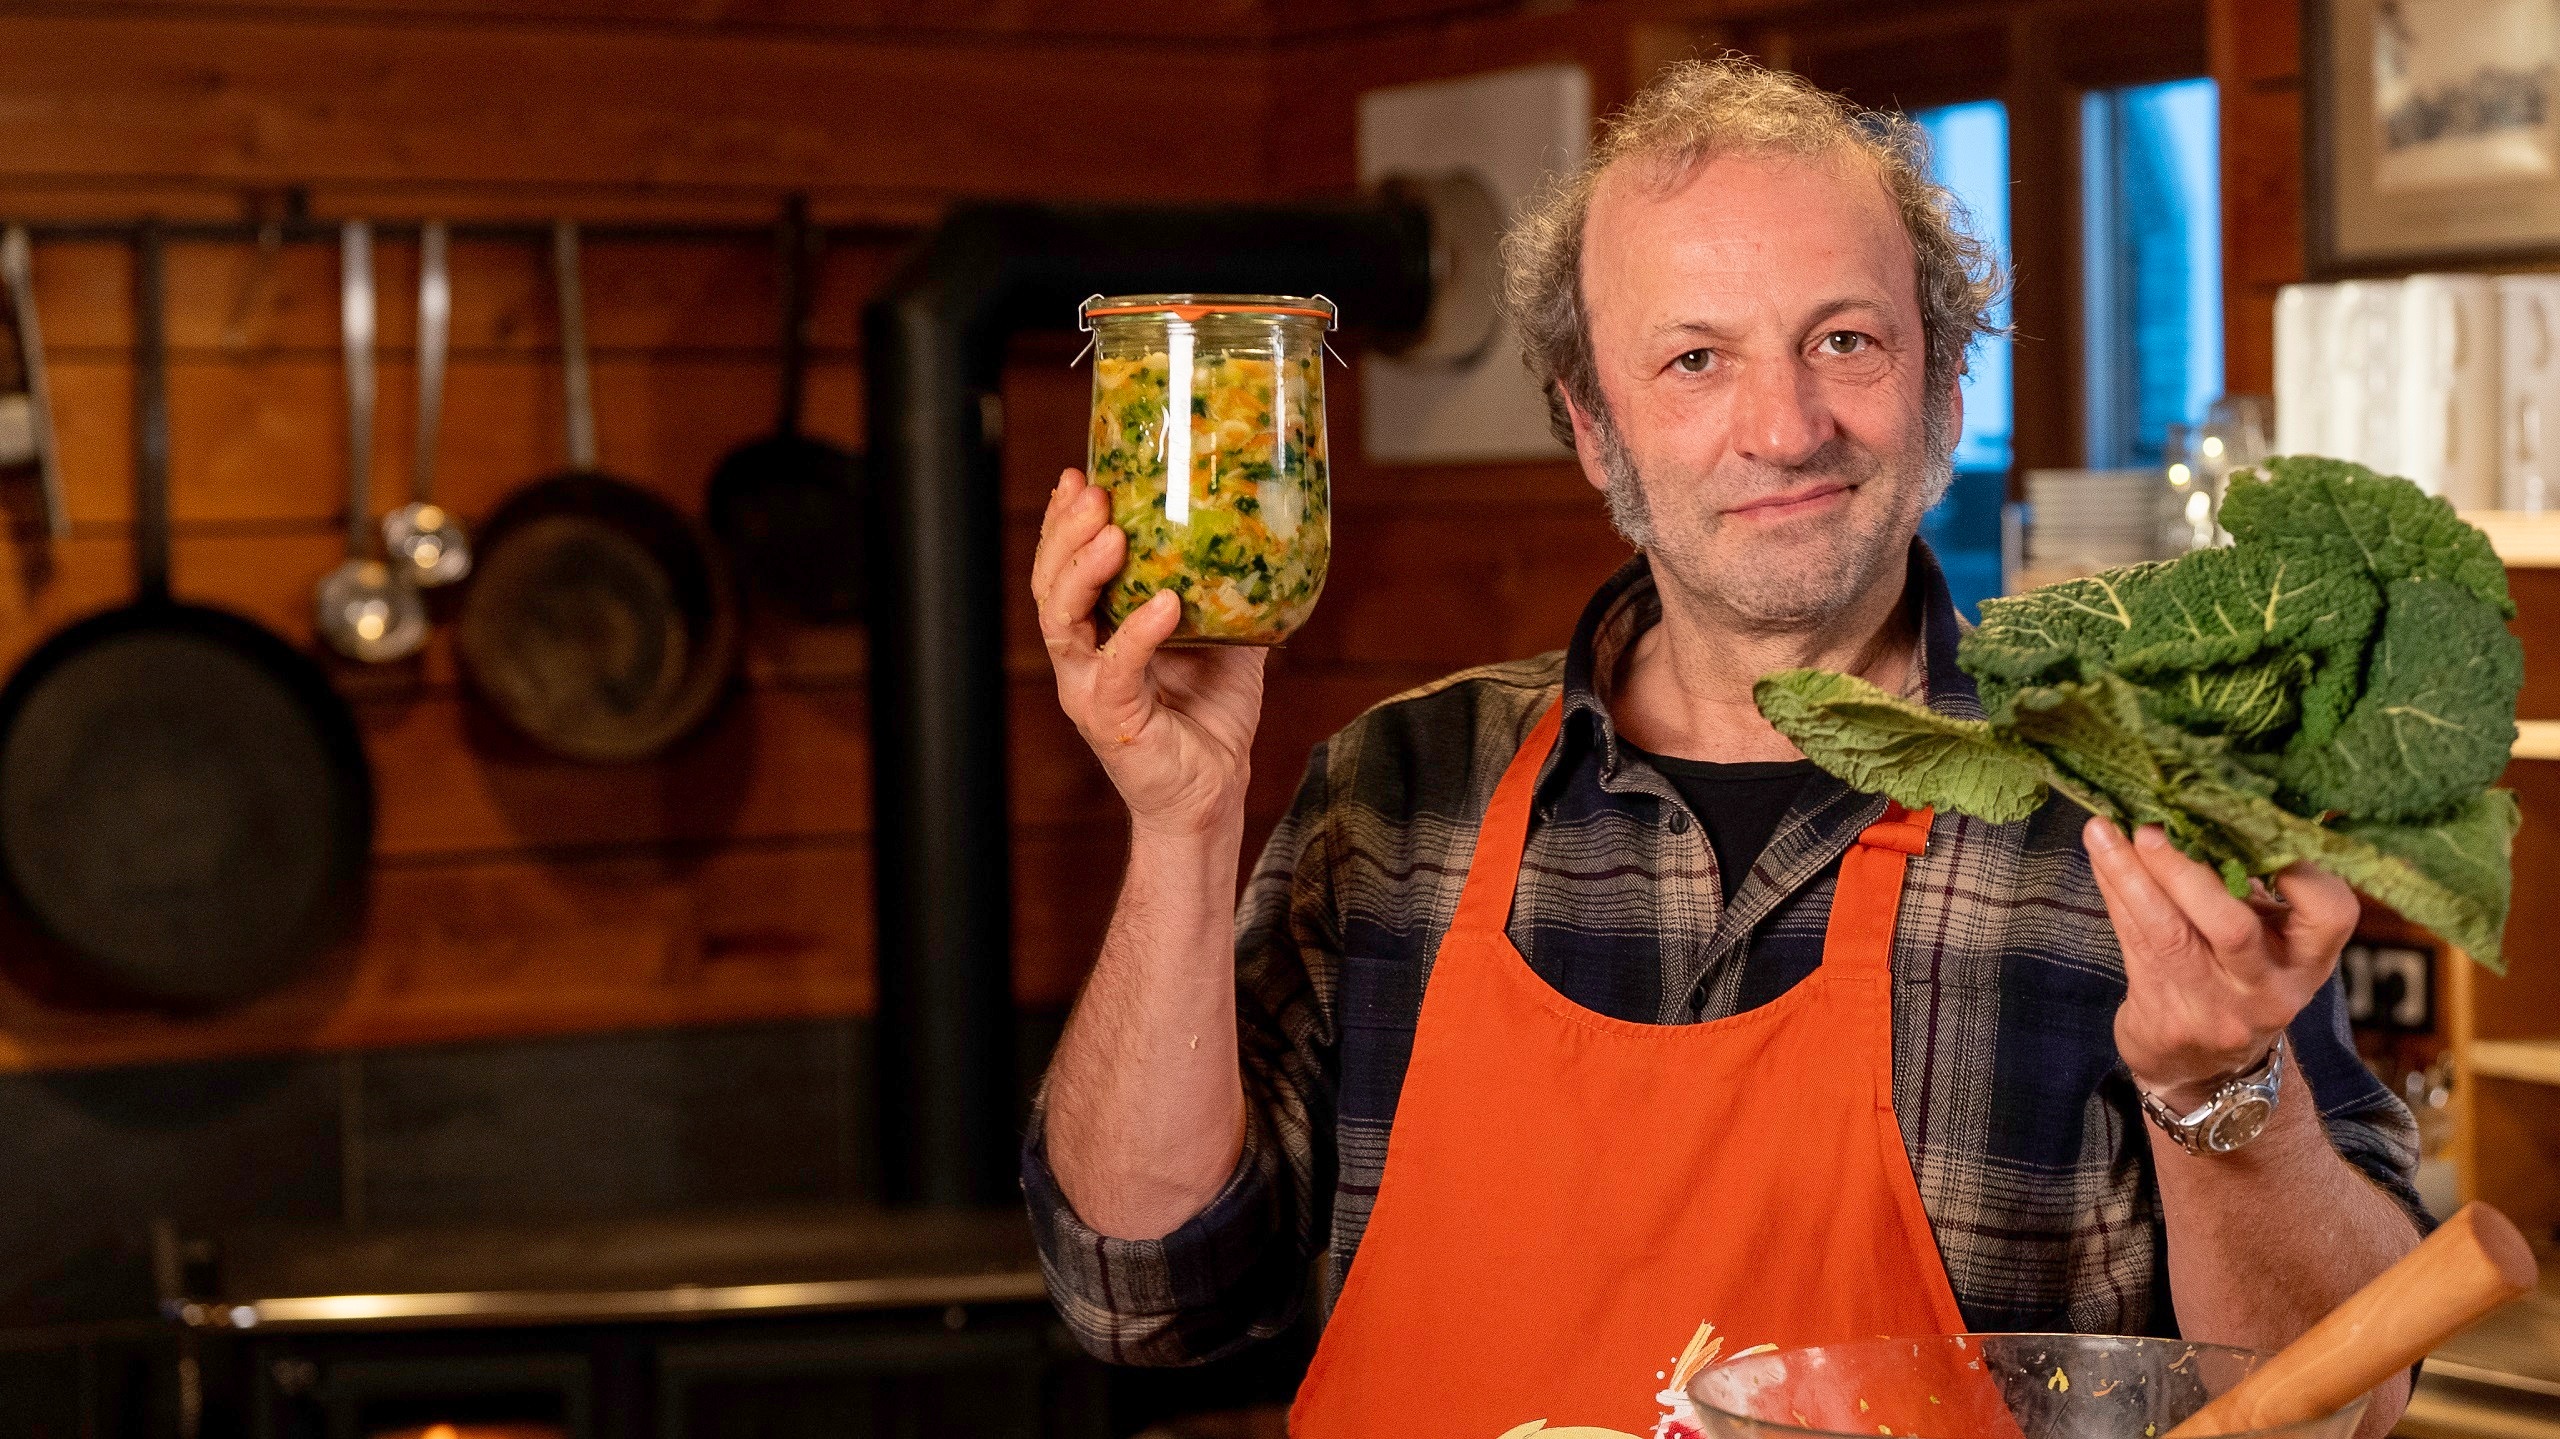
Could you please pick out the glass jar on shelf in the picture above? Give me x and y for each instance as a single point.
(2189, 502)
(2233, 435)
(1208, 433)
(2198, 462)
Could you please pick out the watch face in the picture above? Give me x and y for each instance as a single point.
(2238, 1125)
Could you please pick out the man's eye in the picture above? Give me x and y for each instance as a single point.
(1844, 342)
(1694, 362)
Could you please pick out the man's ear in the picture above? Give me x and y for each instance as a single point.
(1586, 442)
(1955, 410)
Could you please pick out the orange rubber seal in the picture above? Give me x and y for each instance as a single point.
(1193, 314)
(1191, 309)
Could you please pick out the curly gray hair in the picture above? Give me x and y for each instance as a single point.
(1699, 109)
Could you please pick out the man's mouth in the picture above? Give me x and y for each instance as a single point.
(1787, 504)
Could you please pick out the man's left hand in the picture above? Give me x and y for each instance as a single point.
(2211, 981)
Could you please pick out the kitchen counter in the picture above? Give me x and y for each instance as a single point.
(2499, 1380)
(797, 1261)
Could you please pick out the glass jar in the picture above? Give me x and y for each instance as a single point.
(1245, 530)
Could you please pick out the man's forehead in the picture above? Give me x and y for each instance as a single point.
(1750, 212)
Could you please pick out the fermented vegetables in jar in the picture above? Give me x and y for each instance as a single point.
(1208, 434)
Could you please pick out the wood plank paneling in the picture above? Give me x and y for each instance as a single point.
(514, 893)
(835, 19)
(262, 440)
(2249, 339)
(772, 764)
(1217, 22)
(250, 99)
(1927, 60)
(2536, 591)
(2256, 43)
(269, 577)
(2127, 42)
(1459, 589)
(2523, 1003)
(676, 295)
(2050, 398)
(2261, 186)
(682, 338)
(2256, 48)
(510, 946)
(729, 879)
(1314, 139)
(481, 948)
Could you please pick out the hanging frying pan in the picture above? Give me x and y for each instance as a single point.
(789, 505)
(185, 811)
(599, 621)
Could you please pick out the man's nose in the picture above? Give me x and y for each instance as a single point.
(1778, 418)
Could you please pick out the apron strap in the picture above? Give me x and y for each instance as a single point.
(1868, 898)
(1493, 876)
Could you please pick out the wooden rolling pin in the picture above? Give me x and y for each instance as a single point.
(2475, 1263)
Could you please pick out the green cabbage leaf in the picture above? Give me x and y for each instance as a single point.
(2337, 687)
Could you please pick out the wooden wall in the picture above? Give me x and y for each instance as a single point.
(515, 894)
(2257, 62)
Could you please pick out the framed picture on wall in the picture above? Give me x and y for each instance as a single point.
(2432, 131)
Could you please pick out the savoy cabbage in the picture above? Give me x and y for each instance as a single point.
(2337, 686)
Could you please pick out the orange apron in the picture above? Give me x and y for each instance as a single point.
(1568, 1195)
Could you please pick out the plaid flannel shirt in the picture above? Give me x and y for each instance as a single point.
(2022, 1124)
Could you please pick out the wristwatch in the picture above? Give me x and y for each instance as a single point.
(2236, 1113)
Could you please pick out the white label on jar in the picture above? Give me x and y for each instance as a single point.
(1177, 423)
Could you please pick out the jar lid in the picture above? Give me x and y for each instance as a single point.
(1192, 308)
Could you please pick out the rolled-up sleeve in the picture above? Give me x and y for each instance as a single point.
(1194, 1295)
(1233, 1273)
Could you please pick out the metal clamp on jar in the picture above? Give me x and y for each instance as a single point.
(1209, 435)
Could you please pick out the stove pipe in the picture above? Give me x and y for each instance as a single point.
(934, 347)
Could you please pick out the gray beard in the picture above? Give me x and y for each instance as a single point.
(1632, 517)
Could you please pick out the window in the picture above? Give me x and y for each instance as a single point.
(2152, 231)
(1969, 154)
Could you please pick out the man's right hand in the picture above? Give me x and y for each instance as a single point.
(1174, 730)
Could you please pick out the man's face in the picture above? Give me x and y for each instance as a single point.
(1755, 328)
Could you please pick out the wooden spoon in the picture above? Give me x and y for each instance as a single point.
(2472, 1265)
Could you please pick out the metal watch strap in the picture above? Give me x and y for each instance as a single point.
(2234, 1114)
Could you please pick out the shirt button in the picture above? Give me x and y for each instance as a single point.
(1679, 821)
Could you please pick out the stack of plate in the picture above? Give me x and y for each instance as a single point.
(2093, 518)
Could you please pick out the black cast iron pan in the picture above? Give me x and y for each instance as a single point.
(600, 622)
(789, 505)
(185, 809)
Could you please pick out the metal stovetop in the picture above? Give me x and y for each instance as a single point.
(588, 1272)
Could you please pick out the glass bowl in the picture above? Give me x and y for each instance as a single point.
(1981, 1386)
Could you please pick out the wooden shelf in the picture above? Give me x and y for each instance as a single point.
(2522, 539)
(2535, 1061)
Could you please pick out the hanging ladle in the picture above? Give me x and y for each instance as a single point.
(367, 612)
(424, 539)
(17, 268)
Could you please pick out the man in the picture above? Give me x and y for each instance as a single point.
(1570, 1006)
